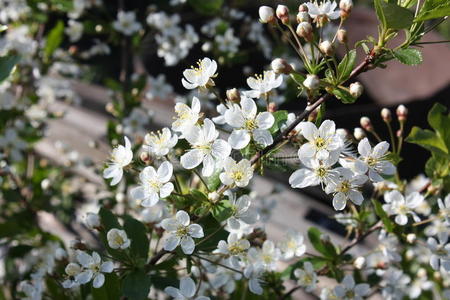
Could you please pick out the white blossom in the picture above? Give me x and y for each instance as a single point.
(348, 290)
(306, 277)
(241, 211)
(315, 172)
(234, 248)
(93, 268)
(74, 30)
(92, 220)
(160, 143)
(159, 88)
(346, 187)
(398, 205)
(206, 148)
(261, 85)
(126, 23)
(323, 11)
(374, 160)
(321, 141)
(186, 116)
(440, 253)
(200, 76)
(121, 157)
(154, 184)
(181, 232)
(117, 239)
(236, 173)
(265, 257)
(248, 123)
(292, 245)
(186, 291)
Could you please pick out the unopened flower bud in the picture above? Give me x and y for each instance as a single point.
(366, 124)
(281, 66)
(145, 157)
(311, 82)
(233, 95)
(386, 115)
(356, 89)
(272, 107)
(213, 197)
(92, 220)
(283, 14)
(305, 30)
(73, 269)
(402, 113)
(266, 14)
(303, 16)
(421, 273)
(346, 5)
(359, 262)
(303, 8)
(410, 238)
(326, 47)
(359, 133)
(342, 132)
(342, 36)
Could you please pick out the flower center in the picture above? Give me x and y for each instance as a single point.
(237, 175)
(371, 161)
(321, 172)
(345, 186)
(320, 143)
(250, 124)
(154, 184)
(118, 240)
(235, 249)
(95, 268)
(182, 231)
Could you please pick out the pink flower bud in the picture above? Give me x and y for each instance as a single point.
(366, 123)
(402, 112)
(386, 115)
(283, 14)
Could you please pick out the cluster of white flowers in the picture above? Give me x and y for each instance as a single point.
(174, 42)
(126, 23)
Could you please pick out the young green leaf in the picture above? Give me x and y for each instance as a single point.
(326, 248)
(136, 285)
(54, 39)
(347, 64)
(433, 9)
(410, 56)
(393, 16)
(137, 233)
(343, 95)
(7, 64)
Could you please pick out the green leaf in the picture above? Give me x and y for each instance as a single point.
(433, 9)
(137, 232)
(280, 117)
(298, 78)
(7, 64)
(136, 285)
(428, 140)
(54, 39)
(110, 289)
(213, 181)
(321, 114)
(222, 210)
(324, 247)
(209, 7)
(382, 215)
(393, 16)
(440, 122)
(343, 95)
(347, 65)
(214, 231)
(109, 221)
(410, 56)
